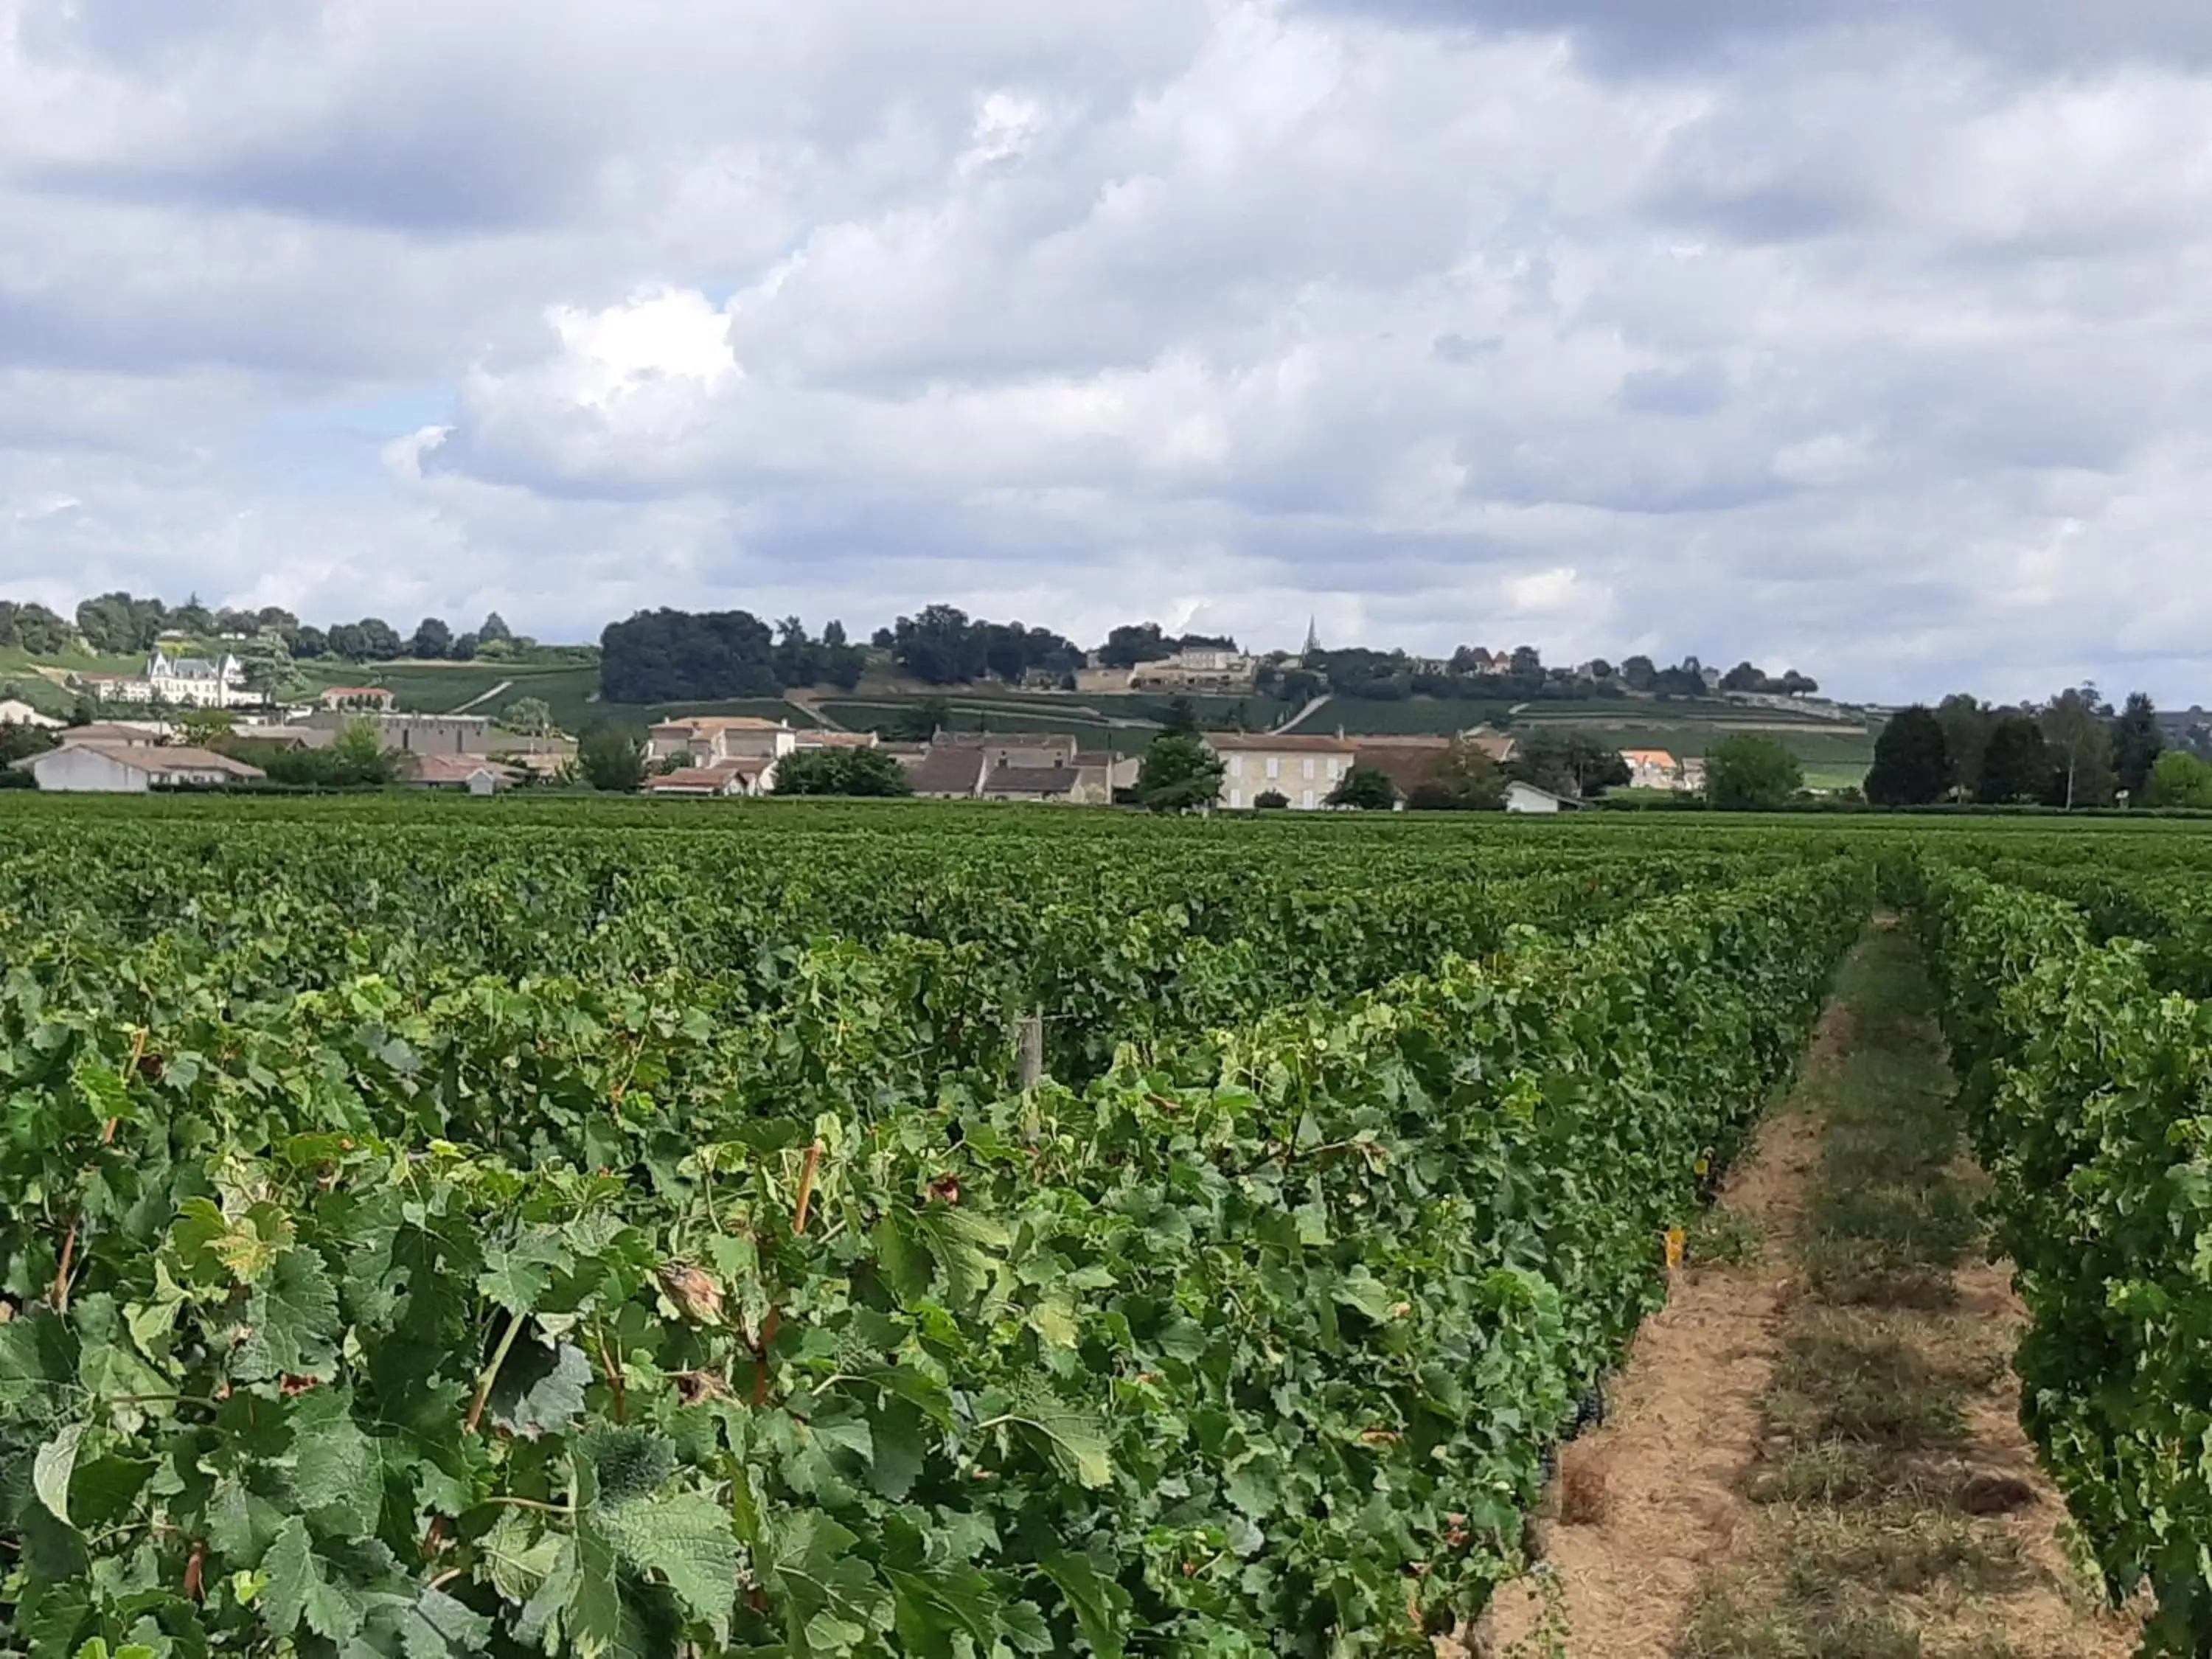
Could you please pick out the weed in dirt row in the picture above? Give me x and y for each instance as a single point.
(1722, 1237)
(1861, 1476)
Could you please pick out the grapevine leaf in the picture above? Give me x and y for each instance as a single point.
(517, 1558)
(515, 1275)
(338, 1472)
(930, 1608)
(898, 1447)
(540, 1618)
(1097, 1602)
(52, 1469)
(540, 1391)
(297, 1590)
(1078, 1442)
(292, 1323)
(38, 1361)
(439, 1628)
(686, 1540)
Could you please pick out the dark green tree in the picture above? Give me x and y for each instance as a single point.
(1911, 767)
(1464, 781)
(494, 628)
(2017, 765)
(432, 639)
(610, 758)
(1571, 763)
(2077, 725)
(1179, 774)
(1366, 789)
(1751, 772)
(841, 772)
(2136, 744)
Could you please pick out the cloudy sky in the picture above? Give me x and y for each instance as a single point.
(1873, 337)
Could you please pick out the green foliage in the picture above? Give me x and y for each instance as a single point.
(2180, 779)
(2017, 765)
(1912, 766)
(610, 758)
(1179, 774)
(512, 1239)
(1366, 789)
(529, 715)
(1465, 781)
(841, 772)
(1575, 764)
(2137, 742)
(2086, 1101)
(1750, 772)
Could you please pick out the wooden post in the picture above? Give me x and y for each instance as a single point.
(1031, 1040)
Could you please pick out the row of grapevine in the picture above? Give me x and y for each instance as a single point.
(2087, 1092)
(359, 1311)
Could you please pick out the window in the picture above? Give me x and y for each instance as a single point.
(1236, 766)
(1331, 771)
(1236, 797)
(1310, 798)
(1274, 766)
(1310, 769)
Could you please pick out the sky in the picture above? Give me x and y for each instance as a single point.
(1871, 338)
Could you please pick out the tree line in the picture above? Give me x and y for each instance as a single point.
(2074, 750)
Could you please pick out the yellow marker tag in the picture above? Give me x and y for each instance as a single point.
(1702, 1168)
(1674, 1249)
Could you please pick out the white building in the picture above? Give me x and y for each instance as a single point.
(14, 711)
(132, 769)
(1303, 770)
(182, 682)
(1527, 797)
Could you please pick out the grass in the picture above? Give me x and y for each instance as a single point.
(1862, 1544)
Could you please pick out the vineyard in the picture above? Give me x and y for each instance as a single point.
(426, 1231)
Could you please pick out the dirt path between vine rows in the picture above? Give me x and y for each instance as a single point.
(1682, 1424)
(1814, 1449)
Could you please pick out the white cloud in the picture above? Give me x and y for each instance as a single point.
(1694, 326)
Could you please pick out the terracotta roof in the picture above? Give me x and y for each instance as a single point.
(1292, 743)
(1647, 758)
(358, 691)
(459, 769)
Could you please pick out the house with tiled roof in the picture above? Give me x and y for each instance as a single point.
(1303, 770)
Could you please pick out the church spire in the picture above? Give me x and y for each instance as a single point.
(1313, 636)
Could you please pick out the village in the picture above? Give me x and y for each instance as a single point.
(183, 722)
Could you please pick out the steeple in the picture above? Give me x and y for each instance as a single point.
(1313, 637)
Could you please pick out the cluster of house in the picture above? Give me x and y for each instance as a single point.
(1656, 768)
(732, 755)
(463, 752)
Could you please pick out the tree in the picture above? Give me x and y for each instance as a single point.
(1750, 773)
(309, 642)
(463, 647)
(2180, 779)
(1526, 661)
(1179, 774)
(380, 640)
(1366, 789)
(120, 625)
(1464, 781)
(1744, 676)
(432, 639)
(1270, 800)
(843, 663)
(2017, 766)
(610, 758)
(2136, 744)
(668, 656)
(868, 772)
(1133, 643)
(2075, 724)
(266, 662)
(1639, 673)
(1181, 715)
(1966, 726)
(529, 715)
(494, 628)
(1571, 763)
(1911, 768)
(22, 742)
(205, 728)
